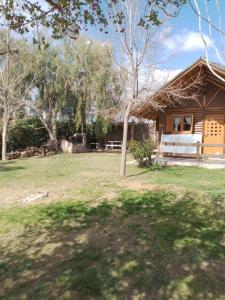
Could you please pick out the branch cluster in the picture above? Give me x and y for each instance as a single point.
(177, 92)
(70, 16)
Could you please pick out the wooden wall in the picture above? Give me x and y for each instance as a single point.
(138, 132)
(213, 101)
(198, 122)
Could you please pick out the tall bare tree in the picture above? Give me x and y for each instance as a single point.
(13, 90)
(139, 42)
(211, 23)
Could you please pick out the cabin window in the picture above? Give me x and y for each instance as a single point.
(182, 123)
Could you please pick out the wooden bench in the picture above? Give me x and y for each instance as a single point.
(113, 145)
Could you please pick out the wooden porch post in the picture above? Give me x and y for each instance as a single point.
(198, 151)
(132, 131)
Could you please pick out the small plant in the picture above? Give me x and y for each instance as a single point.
(142, 152)
(158, 166)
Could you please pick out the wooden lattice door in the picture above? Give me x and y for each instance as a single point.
(214, 133)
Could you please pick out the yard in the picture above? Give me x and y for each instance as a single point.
(153, 235)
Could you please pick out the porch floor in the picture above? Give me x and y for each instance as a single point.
(215, 163)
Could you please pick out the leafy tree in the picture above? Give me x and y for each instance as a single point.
(68, 17)
(93, 89)
(73, 81)
(49, 88)
(71, 16)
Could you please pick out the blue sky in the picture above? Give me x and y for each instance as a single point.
(184, 36)
(185, 28)
(186, 25)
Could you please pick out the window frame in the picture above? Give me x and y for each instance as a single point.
(182, 116)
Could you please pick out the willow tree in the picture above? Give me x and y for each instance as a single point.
(48, 88)
(93, 86)
(73, 79)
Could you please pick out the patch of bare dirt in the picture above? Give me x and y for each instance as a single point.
(109, 195)
(137, 186)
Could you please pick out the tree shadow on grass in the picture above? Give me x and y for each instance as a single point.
(144, 246)
(140, 173)
(168, 169)
(7, 166)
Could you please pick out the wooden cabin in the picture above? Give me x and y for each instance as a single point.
(190, 120)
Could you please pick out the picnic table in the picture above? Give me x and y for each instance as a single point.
(113, 145)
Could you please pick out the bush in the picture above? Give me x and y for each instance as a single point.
(66, 128)
(142, 152)
(26, 132)
(30, 132)
(158, 166)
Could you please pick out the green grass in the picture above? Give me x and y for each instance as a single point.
(63, 177)
(153, 235)
(194, 178)
(90, 176)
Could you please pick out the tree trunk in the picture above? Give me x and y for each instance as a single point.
(48, 118)
(124, 146)
(4, 136)
(53, 138)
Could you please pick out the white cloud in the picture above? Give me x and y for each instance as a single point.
(157, 78)
(161, 76)
(188, 42)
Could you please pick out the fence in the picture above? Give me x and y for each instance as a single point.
(68, 147)
(198, 146)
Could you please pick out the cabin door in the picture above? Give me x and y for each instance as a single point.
(214, 133)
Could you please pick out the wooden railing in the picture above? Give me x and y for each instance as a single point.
(198, 146)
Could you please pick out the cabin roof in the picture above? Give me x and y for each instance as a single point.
(147, 111)
(198, 63)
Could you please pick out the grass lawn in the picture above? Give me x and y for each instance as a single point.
(153, 235)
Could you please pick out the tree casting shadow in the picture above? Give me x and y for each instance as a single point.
(7, 166)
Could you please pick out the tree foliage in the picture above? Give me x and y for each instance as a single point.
(74, 82)
(92, 85)
(72, 16)
(26, 132)
(45, 72)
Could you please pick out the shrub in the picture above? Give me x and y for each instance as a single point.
(142, 152)
(26, 132)
(30, 131)
(158, 166)
(66, 128)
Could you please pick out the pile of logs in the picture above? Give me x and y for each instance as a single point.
(45, 150)
(29, 152)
